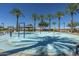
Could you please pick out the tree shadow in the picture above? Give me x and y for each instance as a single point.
(24, 41)
(42, 50)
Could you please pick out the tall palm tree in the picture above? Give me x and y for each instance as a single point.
(42, 17)
(59, 15)
(34, 16)
(49, 16)
(72, 10)
(16, 12)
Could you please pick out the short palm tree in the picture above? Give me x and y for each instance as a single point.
(49, 16)
(42, 25)
(72, 10)
(59, 15)
(34, 17)
(16, 12)
(75, 24)
(54, 23)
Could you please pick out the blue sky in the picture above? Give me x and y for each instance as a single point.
(28, 9)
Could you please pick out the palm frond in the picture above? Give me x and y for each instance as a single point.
(59, 14)
(16, 12)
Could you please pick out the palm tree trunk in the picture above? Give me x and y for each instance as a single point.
(54, 28)
(71, 22)
(17, 24)
(64, 27)
(40, 30)
(18, 30)
(49, 24)
(34, 25)
(42, 20)
(59, 24)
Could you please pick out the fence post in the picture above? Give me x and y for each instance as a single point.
(24, 30)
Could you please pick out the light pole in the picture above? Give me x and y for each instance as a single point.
(64, 26)
(11, 29)
(24, 30)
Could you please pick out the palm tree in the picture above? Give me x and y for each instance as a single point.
(49, 16)
(42, 25)
(75, 24)
(59, 15)
(54, 23)
(42, 18)
(72, 10)
(34, 16)
(16, 12)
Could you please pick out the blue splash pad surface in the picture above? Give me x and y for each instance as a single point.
(36, 43)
